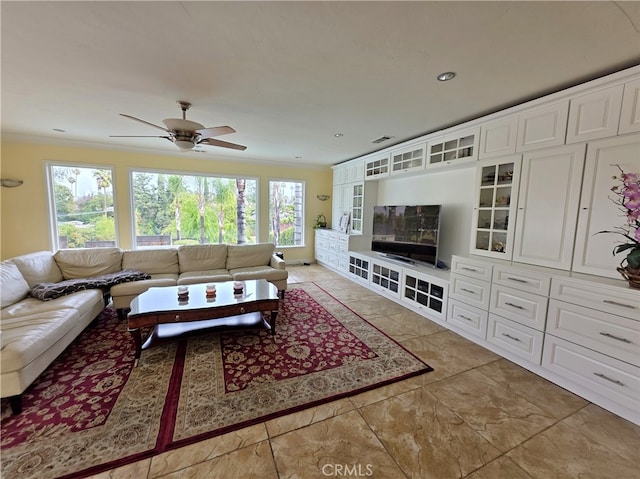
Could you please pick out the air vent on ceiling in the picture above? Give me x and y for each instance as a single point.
(382, 139)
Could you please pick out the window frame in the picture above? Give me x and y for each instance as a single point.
(51, 200)
(164, 171)
(303, 215)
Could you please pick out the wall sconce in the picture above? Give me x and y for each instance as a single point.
(323, 197)
(9, 183)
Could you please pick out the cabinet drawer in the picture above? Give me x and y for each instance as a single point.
(470, 291)
(343, 263)
(472, 268)
(615, 380)
(469, 318)
(525, 308)
(616, 300)
(606, 333)
(514, 337)
(521, 279)
(322, 256)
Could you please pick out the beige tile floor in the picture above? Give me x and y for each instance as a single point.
(476, 416)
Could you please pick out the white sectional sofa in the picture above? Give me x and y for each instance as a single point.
(33, 331)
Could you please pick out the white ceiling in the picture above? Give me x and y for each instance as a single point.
(289, 75)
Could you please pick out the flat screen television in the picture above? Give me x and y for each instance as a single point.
(409, 233)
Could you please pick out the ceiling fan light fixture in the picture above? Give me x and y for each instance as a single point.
(185, 145)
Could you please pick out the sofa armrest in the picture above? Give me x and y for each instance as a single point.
(277, 262)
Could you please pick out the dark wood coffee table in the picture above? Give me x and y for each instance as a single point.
(160, 309)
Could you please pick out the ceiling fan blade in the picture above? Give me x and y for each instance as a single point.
(215, 131)
(143, 121)
(223, 144)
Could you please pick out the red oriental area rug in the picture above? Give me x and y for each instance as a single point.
(92, 410)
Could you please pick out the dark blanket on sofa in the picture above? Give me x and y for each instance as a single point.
(48, 291)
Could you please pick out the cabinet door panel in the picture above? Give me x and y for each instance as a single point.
(597, 212)
(496, 192)
(630, 114)
(498, 138)
(595, 115)
(543, 127)
(548, 206)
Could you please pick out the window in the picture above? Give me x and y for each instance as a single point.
(81, 200)
(175, 209)
(286, 218)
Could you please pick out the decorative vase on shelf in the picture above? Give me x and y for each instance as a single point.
(631, 275)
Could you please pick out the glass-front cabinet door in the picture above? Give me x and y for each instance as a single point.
(357, 208)
(495, 208)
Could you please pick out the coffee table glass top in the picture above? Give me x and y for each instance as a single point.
(165, 298)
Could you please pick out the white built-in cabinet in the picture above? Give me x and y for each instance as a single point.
(595, 115)
(630, 112)
(408, 159)
(499, 137)
(376, 166)
(548, 200)
(579, 331)
(543, 126)
(496, 194)
(353, 196)
(455, 148)
(597, 212)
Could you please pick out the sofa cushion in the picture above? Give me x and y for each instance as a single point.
(26, 338)
(210, 276)
(245, 255)
(49, 291)
(259, 272)
(82, 301)
(137, 287)
(38, 267)
(88, 262)
(152, 261)
(202, 257)
(12, 284)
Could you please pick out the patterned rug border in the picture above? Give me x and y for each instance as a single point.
(168, 417)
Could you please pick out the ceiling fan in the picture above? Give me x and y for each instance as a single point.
(186, 134)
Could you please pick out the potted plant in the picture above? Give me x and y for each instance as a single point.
(627, 197)
(321, 222)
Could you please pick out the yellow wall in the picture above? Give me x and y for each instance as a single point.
(24, 220)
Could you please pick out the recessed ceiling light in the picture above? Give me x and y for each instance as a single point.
(338, 135)
(446, 76)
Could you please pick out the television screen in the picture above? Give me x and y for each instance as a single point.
(407, 232)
